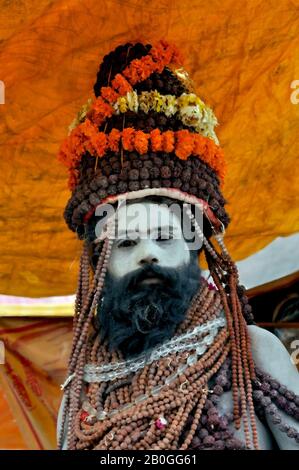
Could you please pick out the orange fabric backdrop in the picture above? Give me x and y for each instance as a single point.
(243, 57)
(36, 354)
(11, 437)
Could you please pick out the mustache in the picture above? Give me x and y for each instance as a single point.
(152, 270)
(167, 276)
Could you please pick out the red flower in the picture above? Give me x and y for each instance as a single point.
(83, 415)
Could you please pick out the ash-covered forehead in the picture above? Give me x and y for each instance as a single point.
(147, 219)
(151, 217)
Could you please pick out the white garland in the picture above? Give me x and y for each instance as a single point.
(185, 342)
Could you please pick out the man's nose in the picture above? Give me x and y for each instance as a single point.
(149, 259)
(147, 254)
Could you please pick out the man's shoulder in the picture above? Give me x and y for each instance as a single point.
(270, 355)
(264, 338)
(265, 345)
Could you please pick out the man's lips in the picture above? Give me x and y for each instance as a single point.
(147, 279)
(150, 280)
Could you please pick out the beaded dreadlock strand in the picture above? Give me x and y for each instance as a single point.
(241, 353)
(81, 293)
(86, 303)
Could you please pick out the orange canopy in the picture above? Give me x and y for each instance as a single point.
(243, 57)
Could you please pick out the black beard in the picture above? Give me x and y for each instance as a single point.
(135, 317)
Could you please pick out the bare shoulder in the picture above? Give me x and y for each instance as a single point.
(270, 355)
(262, 338)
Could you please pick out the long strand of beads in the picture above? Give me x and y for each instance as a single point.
(235, 388)
(80, 348)
(240, 366)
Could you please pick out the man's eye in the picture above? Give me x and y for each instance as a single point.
(126, 243)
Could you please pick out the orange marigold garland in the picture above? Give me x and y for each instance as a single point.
(138, 70)
(221, 163)
(121, 84)
(168, 141)
(100, 111)
(166, 52)
(87, 129)
(183, 143)
(109, 94)
(199, 144)
(160, 55)
(100, 144)
(128, 135)
(114, 137)
(156, 140)
(141, 142)
(94, 142)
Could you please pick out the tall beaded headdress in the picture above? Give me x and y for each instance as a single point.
(146, 132)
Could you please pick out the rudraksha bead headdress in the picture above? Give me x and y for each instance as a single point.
(145, 131)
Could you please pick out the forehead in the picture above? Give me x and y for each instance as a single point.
(148, 216)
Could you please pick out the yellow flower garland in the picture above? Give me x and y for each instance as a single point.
(193, 112)
(191, 109)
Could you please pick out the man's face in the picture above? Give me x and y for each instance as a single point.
(147, 234)
(151, 279)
